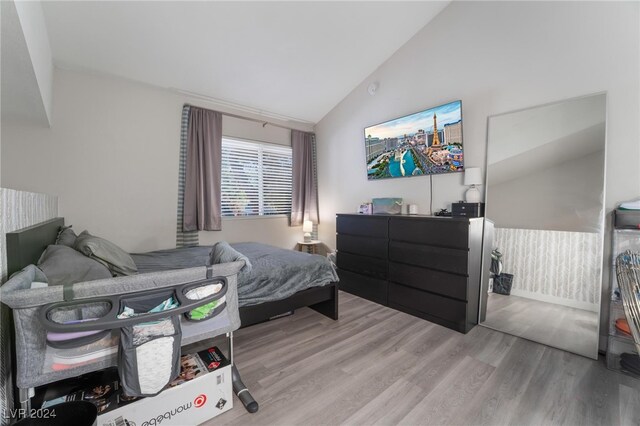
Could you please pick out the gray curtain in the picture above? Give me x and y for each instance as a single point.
(304, 197)
(203, 171)
(183, 238)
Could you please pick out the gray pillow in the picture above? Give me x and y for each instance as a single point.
(113, 257)
(66, 236)
(64, 265)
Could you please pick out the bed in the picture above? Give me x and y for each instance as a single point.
(255, 301)
(25, 246)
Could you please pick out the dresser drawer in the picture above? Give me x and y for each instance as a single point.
(437, 282)
(438, 232)
(362, 265)
(442, 259)
(366, 226)
(450, 310)
(372, 247)
(366, 287)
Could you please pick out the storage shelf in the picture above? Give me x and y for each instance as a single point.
(617, 311)
(618, 342)
(617, 347)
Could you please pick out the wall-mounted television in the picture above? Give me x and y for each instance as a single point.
(425, 143)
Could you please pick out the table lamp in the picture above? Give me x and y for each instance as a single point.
(472, 178)
(307, 228)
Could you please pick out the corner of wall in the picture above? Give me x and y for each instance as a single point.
(34, 28)
(19, 210)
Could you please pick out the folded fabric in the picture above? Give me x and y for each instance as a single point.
(60, 337)
(66, 236)
(92, 352)
(222, 252)
(64, 265)
(166, 305)
(76, 339)
(203, 291)
(203, 312)
(113, 257)
(142, 333)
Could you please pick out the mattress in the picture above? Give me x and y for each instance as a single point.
(276, 273)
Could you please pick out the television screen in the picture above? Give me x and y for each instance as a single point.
(424, 143)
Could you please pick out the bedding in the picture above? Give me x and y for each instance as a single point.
(167, 260)
(113, 257)
(64, 265)
(274, 273)
(66, 236)
(222, 252)
(279, 273)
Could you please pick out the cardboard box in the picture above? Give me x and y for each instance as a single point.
(190, 403)
(202, 391)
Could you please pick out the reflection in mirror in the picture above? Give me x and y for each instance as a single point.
(545, 192)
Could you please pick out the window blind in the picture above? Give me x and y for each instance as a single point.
(256, 178)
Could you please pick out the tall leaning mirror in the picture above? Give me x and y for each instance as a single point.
(545, 177)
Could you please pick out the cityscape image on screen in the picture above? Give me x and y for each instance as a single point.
(427, 142)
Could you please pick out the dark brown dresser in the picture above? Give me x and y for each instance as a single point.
(426, 266)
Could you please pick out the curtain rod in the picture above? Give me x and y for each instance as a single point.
(263, 122)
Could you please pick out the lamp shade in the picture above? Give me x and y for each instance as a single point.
(472, 176)
(307, 226)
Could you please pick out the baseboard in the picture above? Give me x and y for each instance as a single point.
(593, 307)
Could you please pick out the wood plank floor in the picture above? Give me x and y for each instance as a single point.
(379, 366)
(571, 329)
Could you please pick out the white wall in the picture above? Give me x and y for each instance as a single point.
(111, 157)
(495, 57)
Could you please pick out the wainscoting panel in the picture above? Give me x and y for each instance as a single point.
(553, 266)
(18, 209)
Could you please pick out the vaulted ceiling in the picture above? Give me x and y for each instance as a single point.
(294, 59)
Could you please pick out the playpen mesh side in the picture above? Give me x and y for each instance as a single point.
(35, 357)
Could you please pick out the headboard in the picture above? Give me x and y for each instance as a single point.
(25, 246)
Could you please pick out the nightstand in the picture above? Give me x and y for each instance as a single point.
(310, 247)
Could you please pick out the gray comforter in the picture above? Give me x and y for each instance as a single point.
(275, 273)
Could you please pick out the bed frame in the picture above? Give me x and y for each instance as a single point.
(25, 246)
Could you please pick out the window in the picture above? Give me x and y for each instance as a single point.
(256, 178)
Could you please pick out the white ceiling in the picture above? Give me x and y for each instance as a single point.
(296, 59)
